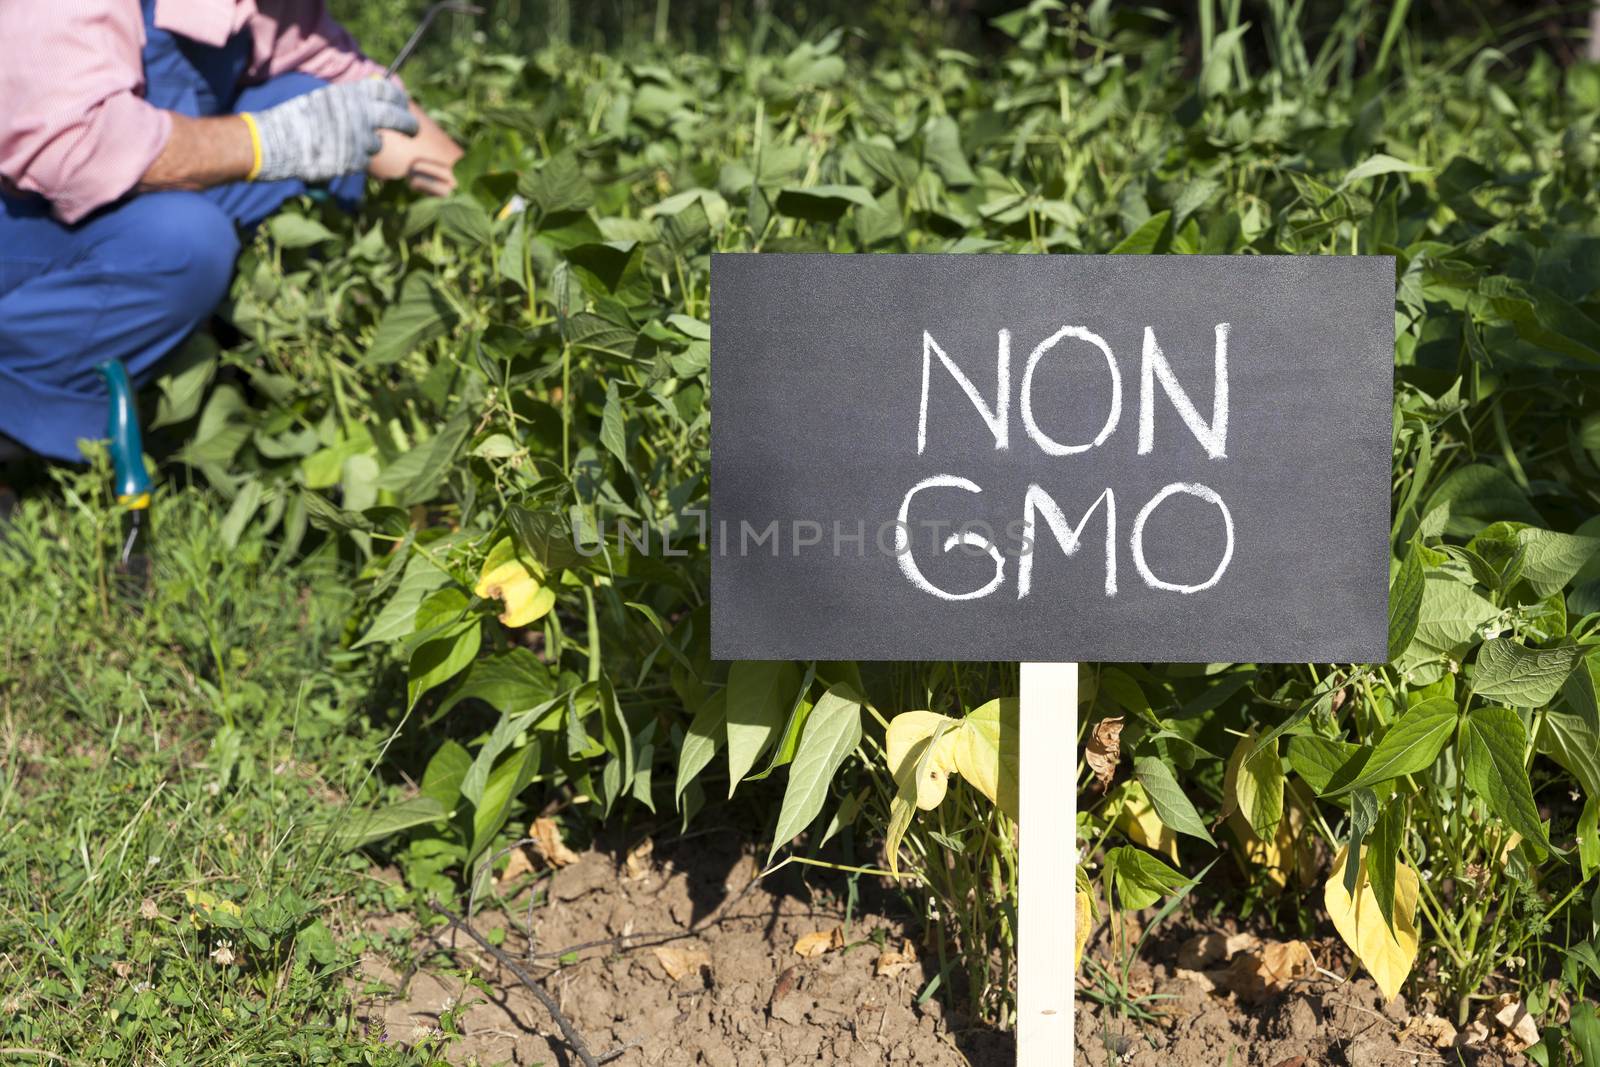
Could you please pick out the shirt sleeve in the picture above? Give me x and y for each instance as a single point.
(300, 35)
(75, 128)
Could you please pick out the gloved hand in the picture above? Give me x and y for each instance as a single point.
(329, 132)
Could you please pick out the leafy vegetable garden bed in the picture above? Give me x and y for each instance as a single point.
(440, 406)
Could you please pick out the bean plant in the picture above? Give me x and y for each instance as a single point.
(499, 404)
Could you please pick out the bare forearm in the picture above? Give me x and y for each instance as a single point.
(201, 153)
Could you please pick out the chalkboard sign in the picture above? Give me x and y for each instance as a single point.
(1050, 458)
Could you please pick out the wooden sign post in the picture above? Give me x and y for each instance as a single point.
(1048, 857)
(1047, 459)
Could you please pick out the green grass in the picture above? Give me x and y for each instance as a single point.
(199, 744)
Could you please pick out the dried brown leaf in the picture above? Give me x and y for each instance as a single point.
(892, 962)
(1433, 1029)
(638, 861)
(680, 961)
(1268, 970)
(1513, 1018)
(517, 865)
(1104, 750)
(1203, 950)
(548, 846)
(818, 942)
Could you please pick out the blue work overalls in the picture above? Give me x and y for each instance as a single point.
(131, 281)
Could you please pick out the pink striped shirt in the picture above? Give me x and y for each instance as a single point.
(75, 127)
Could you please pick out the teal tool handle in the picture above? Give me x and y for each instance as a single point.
(127, 446)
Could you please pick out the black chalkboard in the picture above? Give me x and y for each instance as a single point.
(834, 399)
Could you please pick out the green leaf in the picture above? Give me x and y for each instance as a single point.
(446, 769)
(1493, 745)
(1259, 790)
(1551, 560)
(822, 203)
(892, 166)
(240, 512)
(1380, 164)
(1522, 676)
(417, 475)
(1168, 798)
(465, 221)
(832, 732)
(1411, 745)
(1451, 615)
(1589, 837)
(420, 315)
(559, 186)
(1140, 878)
(1582, 694)
(324, 516)
(708, 732)
(1383, 855)
(509, 682)
(398, 617)
(1477, 495)
(613, 425)
(505, 781)
(1405, 603)
(386, 821)
(1318, 759)
(1217, 65)
(184, 377)
(1573, 742)
(440, 658)
(1363, 816)
(1585, 1028)
(941, 148)
(1150, 237)
(296, 231)
(761, 694)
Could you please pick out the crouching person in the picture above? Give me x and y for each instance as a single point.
(137, 140)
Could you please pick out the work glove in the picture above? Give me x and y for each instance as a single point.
(327, 133)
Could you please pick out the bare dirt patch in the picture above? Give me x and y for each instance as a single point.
(679, 960)
(1205, 985)
(682, 962)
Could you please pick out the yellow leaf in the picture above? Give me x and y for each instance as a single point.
(920, 747)
(1141, 823)
(986, 752)
(205, 905)
(927, 739)
(1257, 797)
(508, 579)
(1085, 920)
(1387, 955)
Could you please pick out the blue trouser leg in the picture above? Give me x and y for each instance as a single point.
(128, 283)
(249, 203)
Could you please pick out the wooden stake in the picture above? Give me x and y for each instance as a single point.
(1048, 847)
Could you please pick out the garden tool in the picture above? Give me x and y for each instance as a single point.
(132, 481)
(422, 28)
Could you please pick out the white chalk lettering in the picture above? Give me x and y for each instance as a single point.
(1047, 444)
(1067, 536)
(908, 563)
(1213, 438)
(998, 417)
(1136, 540)
(1023, 534)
